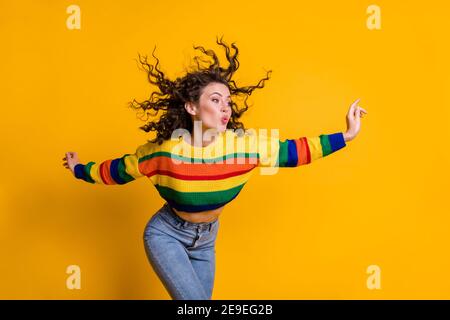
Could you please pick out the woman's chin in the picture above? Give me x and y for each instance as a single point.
(222, 127)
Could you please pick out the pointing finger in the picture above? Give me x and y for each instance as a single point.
(355, 103)
(351, 110)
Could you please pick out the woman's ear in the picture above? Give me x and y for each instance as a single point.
(191, 108)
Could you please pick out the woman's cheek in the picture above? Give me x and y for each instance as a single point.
(209, 118)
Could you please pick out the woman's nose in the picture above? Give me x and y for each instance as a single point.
(226, 108)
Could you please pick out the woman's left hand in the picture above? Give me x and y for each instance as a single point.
(70, 161)
(354, 115)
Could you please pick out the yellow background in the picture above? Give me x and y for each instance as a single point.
(305, 233)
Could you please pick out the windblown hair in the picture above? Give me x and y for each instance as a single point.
(173, 95)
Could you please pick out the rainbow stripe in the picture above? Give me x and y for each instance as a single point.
(194, 179)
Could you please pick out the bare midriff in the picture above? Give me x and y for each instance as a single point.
(199, 217)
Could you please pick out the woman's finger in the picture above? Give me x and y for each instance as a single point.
(355, 103)
(351, 110)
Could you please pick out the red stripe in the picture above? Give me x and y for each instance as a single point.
(196, 177)
(105, 172)
(308, 152)
(164, 164)
(303, 154)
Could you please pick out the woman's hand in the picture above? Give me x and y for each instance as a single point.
(71, 159)
(354, 114)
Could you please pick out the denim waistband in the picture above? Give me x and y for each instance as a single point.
(187, 224)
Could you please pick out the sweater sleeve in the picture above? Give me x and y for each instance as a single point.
(113, 171)
(297, 152)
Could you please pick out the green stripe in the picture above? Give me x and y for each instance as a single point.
(87, 172)
(154, 154)
(198, 198)
(326, 147)
(283, 153)
(198, 160)
(122, 172)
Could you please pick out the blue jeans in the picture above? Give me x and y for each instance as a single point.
(182, 254)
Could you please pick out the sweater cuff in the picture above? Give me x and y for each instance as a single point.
(337, 141)
(79, 171)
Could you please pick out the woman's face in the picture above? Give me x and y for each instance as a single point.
(213, 108)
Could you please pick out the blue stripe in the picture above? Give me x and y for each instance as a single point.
(114, 170)
(292, 154)
(79, 171)
(195, 208)
(336, 141)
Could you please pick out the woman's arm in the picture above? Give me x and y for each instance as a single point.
(109, 172)
(304, 150)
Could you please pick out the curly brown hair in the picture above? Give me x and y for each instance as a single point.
(173, 95)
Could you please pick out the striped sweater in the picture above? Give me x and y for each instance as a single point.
(194, 179)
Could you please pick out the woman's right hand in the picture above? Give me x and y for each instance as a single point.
(354, 114)
(71, 160)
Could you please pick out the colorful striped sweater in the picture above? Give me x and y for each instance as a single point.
(195, 179)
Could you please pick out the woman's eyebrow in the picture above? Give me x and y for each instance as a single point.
(217, 93)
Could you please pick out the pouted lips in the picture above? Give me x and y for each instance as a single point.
(224, 120)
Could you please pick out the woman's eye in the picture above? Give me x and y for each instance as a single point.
(215, 99)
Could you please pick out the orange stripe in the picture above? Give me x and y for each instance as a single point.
(195, 169)
(302, 151)
(105, 172)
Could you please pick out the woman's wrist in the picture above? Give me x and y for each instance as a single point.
(347, 136)
(73, 168)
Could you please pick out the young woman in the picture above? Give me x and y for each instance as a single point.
(199, 161)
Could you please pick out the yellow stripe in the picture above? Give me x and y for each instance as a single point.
(132, 166)
(95, 173)
(315, 147)
(200, 185)
(228, 144)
